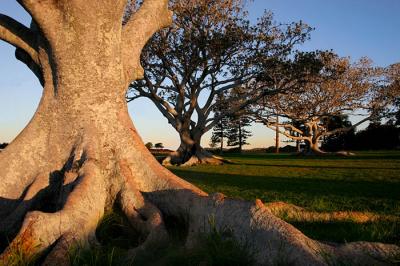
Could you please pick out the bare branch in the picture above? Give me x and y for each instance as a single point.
(19, 36)
(46, 14)
(157, 99)
(25, 58)
(151, 17)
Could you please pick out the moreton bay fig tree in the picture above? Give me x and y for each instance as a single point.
(210, 49)
(80, 155)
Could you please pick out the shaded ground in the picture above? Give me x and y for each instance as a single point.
(363, 191)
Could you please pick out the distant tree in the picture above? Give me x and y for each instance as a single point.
(237, 132)
(210, 49)
(149, 145)
(3, 145)
(286, 75)
(392, 78)
(339, 88)
(220, 130)
(159, 146)
(397, 112)
(378, 137)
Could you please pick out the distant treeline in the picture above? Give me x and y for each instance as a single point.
(374, 137)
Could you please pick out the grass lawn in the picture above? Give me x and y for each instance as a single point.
(366, 183)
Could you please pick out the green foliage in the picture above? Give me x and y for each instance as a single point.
(349, 231)
(19, 258)
(220, 130)
(217, 247)
(237, 132)
(149, 145)
(342, 140)
(21, 253)
(159, 146)
(377, 137)
(115, 228)
(97, 256)
(115, 237)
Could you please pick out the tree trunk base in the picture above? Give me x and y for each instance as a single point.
(203, 157)
(323, 153)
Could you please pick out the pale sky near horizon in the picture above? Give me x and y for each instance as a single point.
(353, 28)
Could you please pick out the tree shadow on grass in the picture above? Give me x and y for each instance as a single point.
(349, 231)
(380, 197)
(288, 156)
(322, 166)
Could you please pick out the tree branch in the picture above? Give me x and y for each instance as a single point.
(19, 36)
(46, 14)
(151, 17)
(25, 58)
(287, 134)
(345, 129)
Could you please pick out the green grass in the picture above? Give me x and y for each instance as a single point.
(368, 182)
(116, 238)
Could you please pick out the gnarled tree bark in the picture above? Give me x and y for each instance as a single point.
(81, 154)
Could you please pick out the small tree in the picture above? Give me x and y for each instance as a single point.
(3, 145)
(237, 132)
(159, 145)
(220, 130)
(149, 145)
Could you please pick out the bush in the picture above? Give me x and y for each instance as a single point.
(3, 145)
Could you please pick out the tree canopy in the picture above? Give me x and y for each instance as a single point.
(338, 88)
(210, 49)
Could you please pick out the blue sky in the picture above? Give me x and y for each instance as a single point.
(353, 28)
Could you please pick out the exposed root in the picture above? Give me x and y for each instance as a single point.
(365, 253)
(202, 157)
(79, 217)
(142, 215)
(48, 193)
(33, 193)
(60, 253)
(274, 240)
(319, 152)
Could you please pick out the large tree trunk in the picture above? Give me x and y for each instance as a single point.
(315, 150)
(80, 155)
(298, 149)
(190, 152)
(240, 137)
(221, 151)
